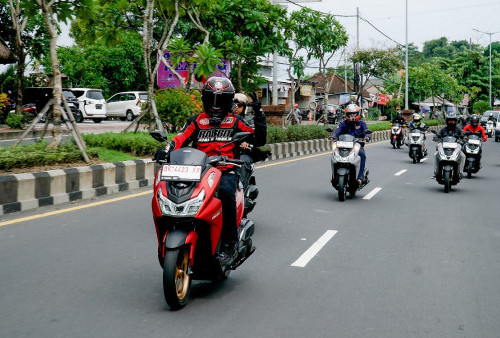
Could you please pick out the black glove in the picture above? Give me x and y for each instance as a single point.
(161, 155)
(256, 105)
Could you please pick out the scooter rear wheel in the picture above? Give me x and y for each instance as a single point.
(176, 278)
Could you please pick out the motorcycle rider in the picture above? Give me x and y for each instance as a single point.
(474, 127)
(417, 123)
(399, 118)
(352, 125)
(298, 114)
(451, 129)
(401, 121)
(491, 117)
(207, 132)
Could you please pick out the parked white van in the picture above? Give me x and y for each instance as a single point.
(91, 103)
(126, 105)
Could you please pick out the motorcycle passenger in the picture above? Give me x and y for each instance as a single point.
(352, 125)
(451, 129)
(240, 109)
(207, 132)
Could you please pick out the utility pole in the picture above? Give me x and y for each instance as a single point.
(406, 60)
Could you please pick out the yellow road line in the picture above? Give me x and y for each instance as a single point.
(57, 212)
(117, 199)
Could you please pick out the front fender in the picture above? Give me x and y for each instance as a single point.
(342, 171)
(177, 238)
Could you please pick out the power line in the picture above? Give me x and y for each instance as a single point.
(349, 16)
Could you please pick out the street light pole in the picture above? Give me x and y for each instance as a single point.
(490, 34)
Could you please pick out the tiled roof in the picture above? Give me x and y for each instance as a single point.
(338, 85)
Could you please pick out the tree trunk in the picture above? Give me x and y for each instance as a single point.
(56, 74)
(146, 45)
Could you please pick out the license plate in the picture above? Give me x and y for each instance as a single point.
(450, 145)
(344, 144)
(474, 142)
(181, 172)
(415, 134)
(98, 106)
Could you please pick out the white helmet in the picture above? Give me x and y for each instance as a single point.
(352, 112)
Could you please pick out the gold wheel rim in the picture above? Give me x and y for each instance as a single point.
(181, 274)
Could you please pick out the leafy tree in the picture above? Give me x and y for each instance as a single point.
(245, 31)
(377, 63)
(52, 11)
(320, 35)
(112, 69)
(26, 35)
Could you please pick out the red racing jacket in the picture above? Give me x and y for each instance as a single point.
(473, 130)
(201, 135)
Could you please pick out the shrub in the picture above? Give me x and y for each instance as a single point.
(373, 113)
(175, 106)
(15, 121)
(137, 144)
(292, 133)
(3, 107)
(34, 154)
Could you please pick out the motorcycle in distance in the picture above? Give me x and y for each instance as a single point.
(447, 158)
(416, 143)
(345, 164)
(472, 151)
(489, 128)
(188, 219)
(396, 135)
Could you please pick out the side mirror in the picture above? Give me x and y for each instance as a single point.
(241, 136)
(368, 132)
(158, 135)
(329, 130)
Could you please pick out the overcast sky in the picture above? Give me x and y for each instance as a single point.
(427, 20)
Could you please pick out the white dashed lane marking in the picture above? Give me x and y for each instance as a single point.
(400, 172)
(314, 249)
(372, 193)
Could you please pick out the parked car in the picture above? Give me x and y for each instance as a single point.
(39, 96)
(91, 103)
(126, 105)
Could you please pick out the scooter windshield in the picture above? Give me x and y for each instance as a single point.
(346, 137)
(188, 156)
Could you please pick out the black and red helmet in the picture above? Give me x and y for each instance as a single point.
(474, 120)
(217, 96)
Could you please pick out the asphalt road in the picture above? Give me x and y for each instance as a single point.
(411, 261)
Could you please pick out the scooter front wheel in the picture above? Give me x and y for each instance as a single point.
(176, 278)
(342, 188)
(447, 181)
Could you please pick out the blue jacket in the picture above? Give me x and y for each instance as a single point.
(356, 129)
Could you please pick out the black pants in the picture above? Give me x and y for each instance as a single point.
(245, 170)
(227, 194)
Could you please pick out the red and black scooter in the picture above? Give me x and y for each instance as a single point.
(188, 220)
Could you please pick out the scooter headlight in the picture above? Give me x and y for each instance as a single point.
(188, 208)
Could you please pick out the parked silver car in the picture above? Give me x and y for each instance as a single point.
(126, 105)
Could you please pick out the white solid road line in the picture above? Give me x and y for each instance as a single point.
(372, 193)
(314, 249)
(400, 172)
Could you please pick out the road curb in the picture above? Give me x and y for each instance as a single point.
(20, 192)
